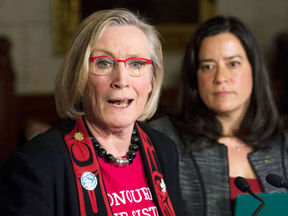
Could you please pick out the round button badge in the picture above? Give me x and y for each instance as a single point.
(78, 136)
(88, 181)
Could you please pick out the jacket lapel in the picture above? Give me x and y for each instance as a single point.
(268, 161)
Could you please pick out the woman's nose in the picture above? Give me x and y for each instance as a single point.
(121, 76)
(221, 75)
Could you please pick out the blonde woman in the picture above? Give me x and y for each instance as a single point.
(100, 160)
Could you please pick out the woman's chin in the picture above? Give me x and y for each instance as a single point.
(120, 123)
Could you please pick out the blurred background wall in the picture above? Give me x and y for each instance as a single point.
(29, 28)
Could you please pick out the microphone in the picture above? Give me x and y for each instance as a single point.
(276, 181)
(243, 185)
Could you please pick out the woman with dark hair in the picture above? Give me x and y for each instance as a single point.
(227, 123)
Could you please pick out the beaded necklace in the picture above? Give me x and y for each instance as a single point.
(109, 158)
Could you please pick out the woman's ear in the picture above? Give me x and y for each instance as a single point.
(150, 88)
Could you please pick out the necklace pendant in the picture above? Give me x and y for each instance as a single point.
(120, 161)
(237, 148)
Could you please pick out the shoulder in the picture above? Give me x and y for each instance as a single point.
(281, 139)
(151, 128)
(36, 169)
(165, 126)
(161, 142)
(44, 157)
(154, 134)
(48, 146)
(51, 137)
(162, 124)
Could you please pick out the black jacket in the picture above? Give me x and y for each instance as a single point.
(39, 179)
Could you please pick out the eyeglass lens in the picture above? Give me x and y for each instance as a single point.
(105, 66)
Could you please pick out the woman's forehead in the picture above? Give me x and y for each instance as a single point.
(123, 41)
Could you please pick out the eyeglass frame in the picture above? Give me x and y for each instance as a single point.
(92, 59)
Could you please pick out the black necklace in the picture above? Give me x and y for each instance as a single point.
(109, 158)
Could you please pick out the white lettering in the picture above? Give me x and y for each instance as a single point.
(151, 211)
(137, 212)
(123, 213)
(129, 196)
(147, 193)
(140, 197)
(154, 209)
(145, 212)
(116, 197)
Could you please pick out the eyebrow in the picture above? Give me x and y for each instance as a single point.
(231, 57)
(227, 58)
(206, 60)
(110, 53)
(103, 51)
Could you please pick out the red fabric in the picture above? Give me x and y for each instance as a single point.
(163, 198)
(127, 189)
(84, 160)
(81, 152)
(254, 185)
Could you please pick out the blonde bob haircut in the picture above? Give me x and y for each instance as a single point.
(73, 75)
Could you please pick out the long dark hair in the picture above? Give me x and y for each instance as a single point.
(261, 122)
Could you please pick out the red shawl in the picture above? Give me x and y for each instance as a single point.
(92, 194)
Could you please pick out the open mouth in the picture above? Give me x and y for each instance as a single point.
(120, 103)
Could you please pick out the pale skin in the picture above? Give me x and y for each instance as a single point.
(111, 125)
(225, 86)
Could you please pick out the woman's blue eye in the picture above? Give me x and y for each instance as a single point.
(137, 64)
(103, 63)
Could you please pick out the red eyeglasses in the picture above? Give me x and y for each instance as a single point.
(104, 65)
